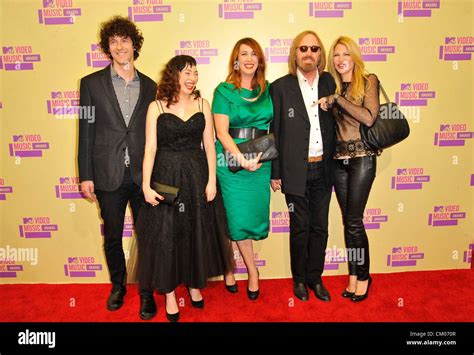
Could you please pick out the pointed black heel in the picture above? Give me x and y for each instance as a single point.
(173, 318)
(253, 295)
(231, 288)
(196, 304)
(358, 298)
(347, 294)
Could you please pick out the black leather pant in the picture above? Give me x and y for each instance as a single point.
(353, 181)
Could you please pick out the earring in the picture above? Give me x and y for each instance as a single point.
(236, 65)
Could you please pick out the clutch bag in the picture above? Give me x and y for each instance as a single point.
(169, 192)
(250, 149)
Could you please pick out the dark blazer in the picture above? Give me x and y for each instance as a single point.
(291, 128)
(102, 141)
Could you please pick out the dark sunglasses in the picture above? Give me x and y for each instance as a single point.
(314, 49)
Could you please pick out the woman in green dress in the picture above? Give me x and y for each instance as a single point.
(243, 110)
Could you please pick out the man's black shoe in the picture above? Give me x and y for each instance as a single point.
(147, 307)
(115, 300)
(321, 292)
(300, 291)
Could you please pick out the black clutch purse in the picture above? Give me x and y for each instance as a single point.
(170, 193)
(251, 148)
(390, 126)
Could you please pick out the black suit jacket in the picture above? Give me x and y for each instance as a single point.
(291, 127)
(102, 140)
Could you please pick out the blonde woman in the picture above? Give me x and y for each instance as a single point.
(355, 103)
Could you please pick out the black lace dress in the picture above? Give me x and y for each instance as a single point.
(189, 242)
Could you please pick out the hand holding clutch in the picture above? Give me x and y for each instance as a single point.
(251, 149)
(169, 192)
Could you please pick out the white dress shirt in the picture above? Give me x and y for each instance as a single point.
(310, 97)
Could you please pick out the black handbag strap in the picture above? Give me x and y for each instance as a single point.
(384, 93)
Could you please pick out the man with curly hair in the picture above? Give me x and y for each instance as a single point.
(111, 146)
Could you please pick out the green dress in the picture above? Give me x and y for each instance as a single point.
(246, 194)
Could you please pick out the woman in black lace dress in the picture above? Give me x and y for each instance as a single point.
(355, 103)
(186, 243)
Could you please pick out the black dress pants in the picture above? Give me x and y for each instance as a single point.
(309, 227)
(113, 205)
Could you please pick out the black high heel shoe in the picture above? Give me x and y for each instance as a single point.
(173, 318)
(196, 304)
(347, 294)
(358, 298)
(232, 288)
(253, 295)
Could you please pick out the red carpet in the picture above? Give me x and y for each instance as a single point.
(424, 296)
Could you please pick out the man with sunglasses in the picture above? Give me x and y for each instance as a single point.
(305, 139)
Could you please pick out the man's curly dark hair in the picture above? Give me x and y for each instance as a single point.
(123, 27)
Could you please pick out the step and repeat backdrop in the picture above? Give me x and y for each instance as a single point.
(420, 212)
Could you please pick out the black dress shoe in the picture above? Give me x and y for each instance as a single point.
(196, 304)
(347, 294)
(173, 318)
(321, 292)
(300, 291)
(147, 307)
(232, 288)
(358, 298)
(115, 300)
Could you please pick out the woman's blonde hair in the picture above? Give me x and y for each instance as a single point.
(294, 47)
(359, 74)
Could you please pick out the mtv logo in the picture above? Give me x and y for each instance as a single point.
(64, 180)
(363, 41)
(72, 260)
(138, 2)
(406, 87)
(401, 171)
(56, 95)
(18, 138)
(8, 50)
(27, 220)
(277, 214)
(275, 42)
(95, 47)
(450, 40)
(439, 208)
(185, 44)
(444, 127)
(48, 3)
(397, 250)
